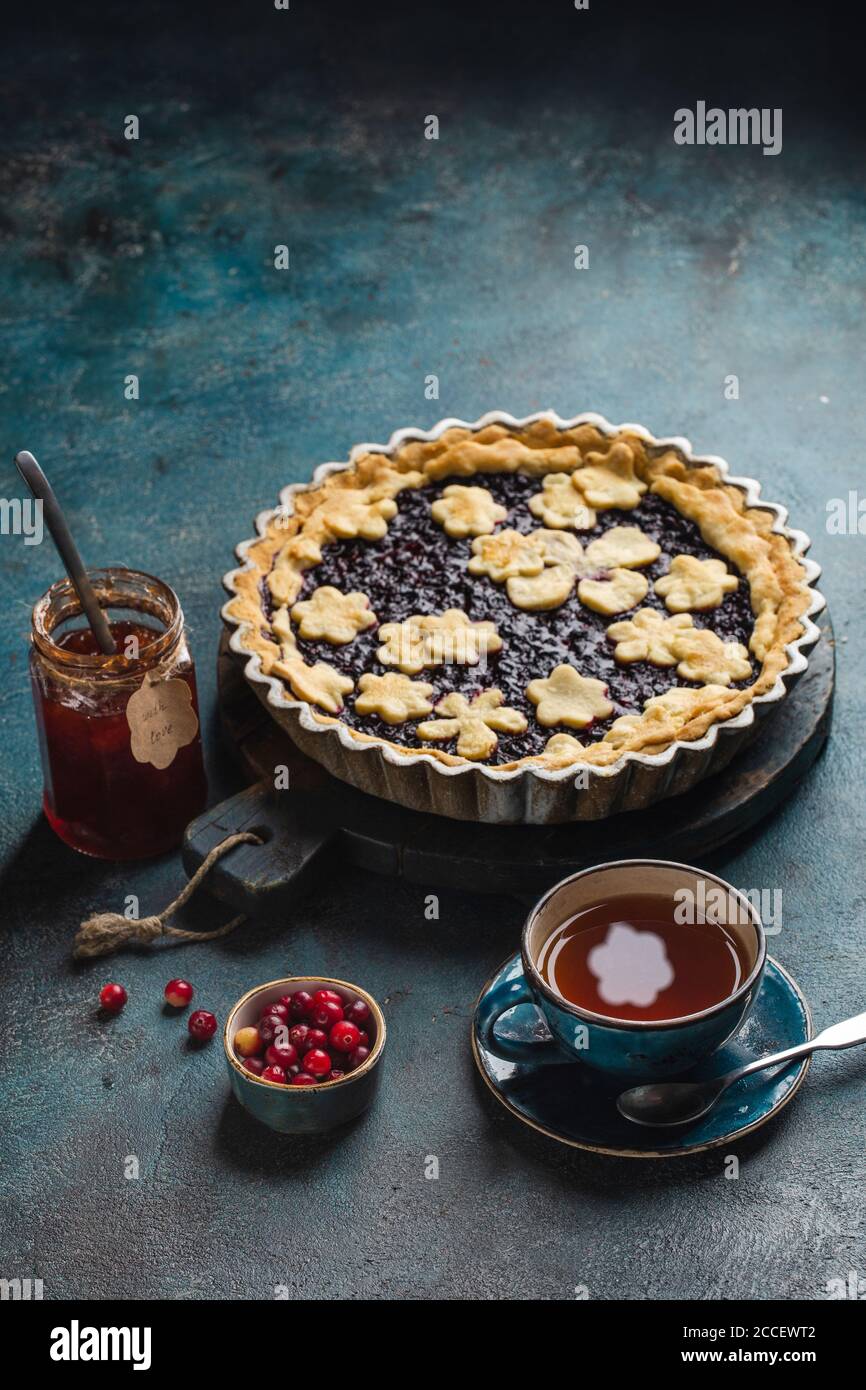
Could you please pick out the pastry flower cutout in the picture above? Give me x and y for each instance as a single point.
(467, 511)
(327, 615)
(285, 579)
(474, 723)
(320, 684)
(617, 592)
(625, 547)
(698, 654)
(560, 506)
(538, 569)
(649, 636)
(394, 697)
(705, 658)
(352, 512)
(507, 555)
(567, 697)
(695, 585)
(549, 589)
(561, 555)
(560, 750)
(609, 480)
(431, 639)
(670, 711)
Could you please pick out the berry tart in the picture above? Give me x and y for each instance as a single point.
(531, 620)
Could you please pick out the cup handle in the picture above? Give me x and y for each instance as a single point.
(507, 995)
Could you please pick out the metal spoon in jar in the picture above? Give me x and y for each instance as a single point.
(62, 537)
(681, 1102)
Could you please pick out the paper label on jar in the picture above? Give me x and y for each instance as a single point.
(161, 720)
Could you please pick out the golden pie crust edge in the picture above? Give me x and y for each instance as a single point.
(778, 581)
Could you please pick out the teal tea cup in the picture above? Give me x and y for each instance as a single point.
(643, 1050)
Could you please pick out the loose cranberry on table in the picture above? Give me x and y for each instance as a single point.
(112, 998)
(345, 1036)
(202, 1025)
(178, 993)
(281, 1054)
(248, 1042)
(274, 1073)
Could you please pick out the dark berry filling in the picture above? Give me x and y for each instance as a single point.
(417, 568)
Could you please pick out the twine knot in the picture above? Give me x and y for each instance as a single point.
(106, 932)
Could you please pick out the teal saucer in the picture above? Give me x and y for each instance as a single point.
(576, 1105)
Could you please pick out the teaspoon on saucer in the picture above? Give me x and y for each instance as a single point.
(680, 1102)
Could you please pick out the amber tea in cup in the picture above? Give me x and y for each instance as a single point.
(634, 958)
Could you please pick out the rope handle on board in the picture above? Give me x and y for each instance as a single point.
(105, 932)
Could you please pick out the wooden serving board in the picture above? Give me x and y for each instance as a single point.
(320, 821)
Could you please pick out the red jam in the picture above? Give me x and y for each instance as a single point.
(98, 797)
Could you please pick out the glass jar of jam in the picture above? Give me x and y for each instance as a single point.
(119, 735)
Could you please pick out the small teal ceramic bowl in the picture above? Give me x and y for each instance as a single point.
(643, 1051)
(303, 1109)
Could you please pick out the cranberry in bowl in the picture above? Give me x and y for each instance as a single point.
(303, 1053)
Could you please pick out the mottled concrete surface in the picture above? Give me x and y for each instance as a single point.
(408, 257)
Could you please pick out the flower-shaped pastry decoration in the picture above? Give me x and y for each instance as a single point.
(698, 654)
(567, 697)
(558, 547)
(285, 579)
(622, 729)
(693, 585)
(352, 512)
(669, 711)
(705, 658)
(467, 511)
(507, 555)
(394, 697)
(561, 749)
(622, 547)
(320, 684)
(549, 589)
(616, 592)
(436, 639)
(560, 506)
(609, 480)
(538, 569)
(562, 554)
(474, 723)
(679, 701)
(330, 616)
(649, 636)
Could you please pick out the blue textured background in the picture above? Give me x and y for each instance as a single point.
(408, 257)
